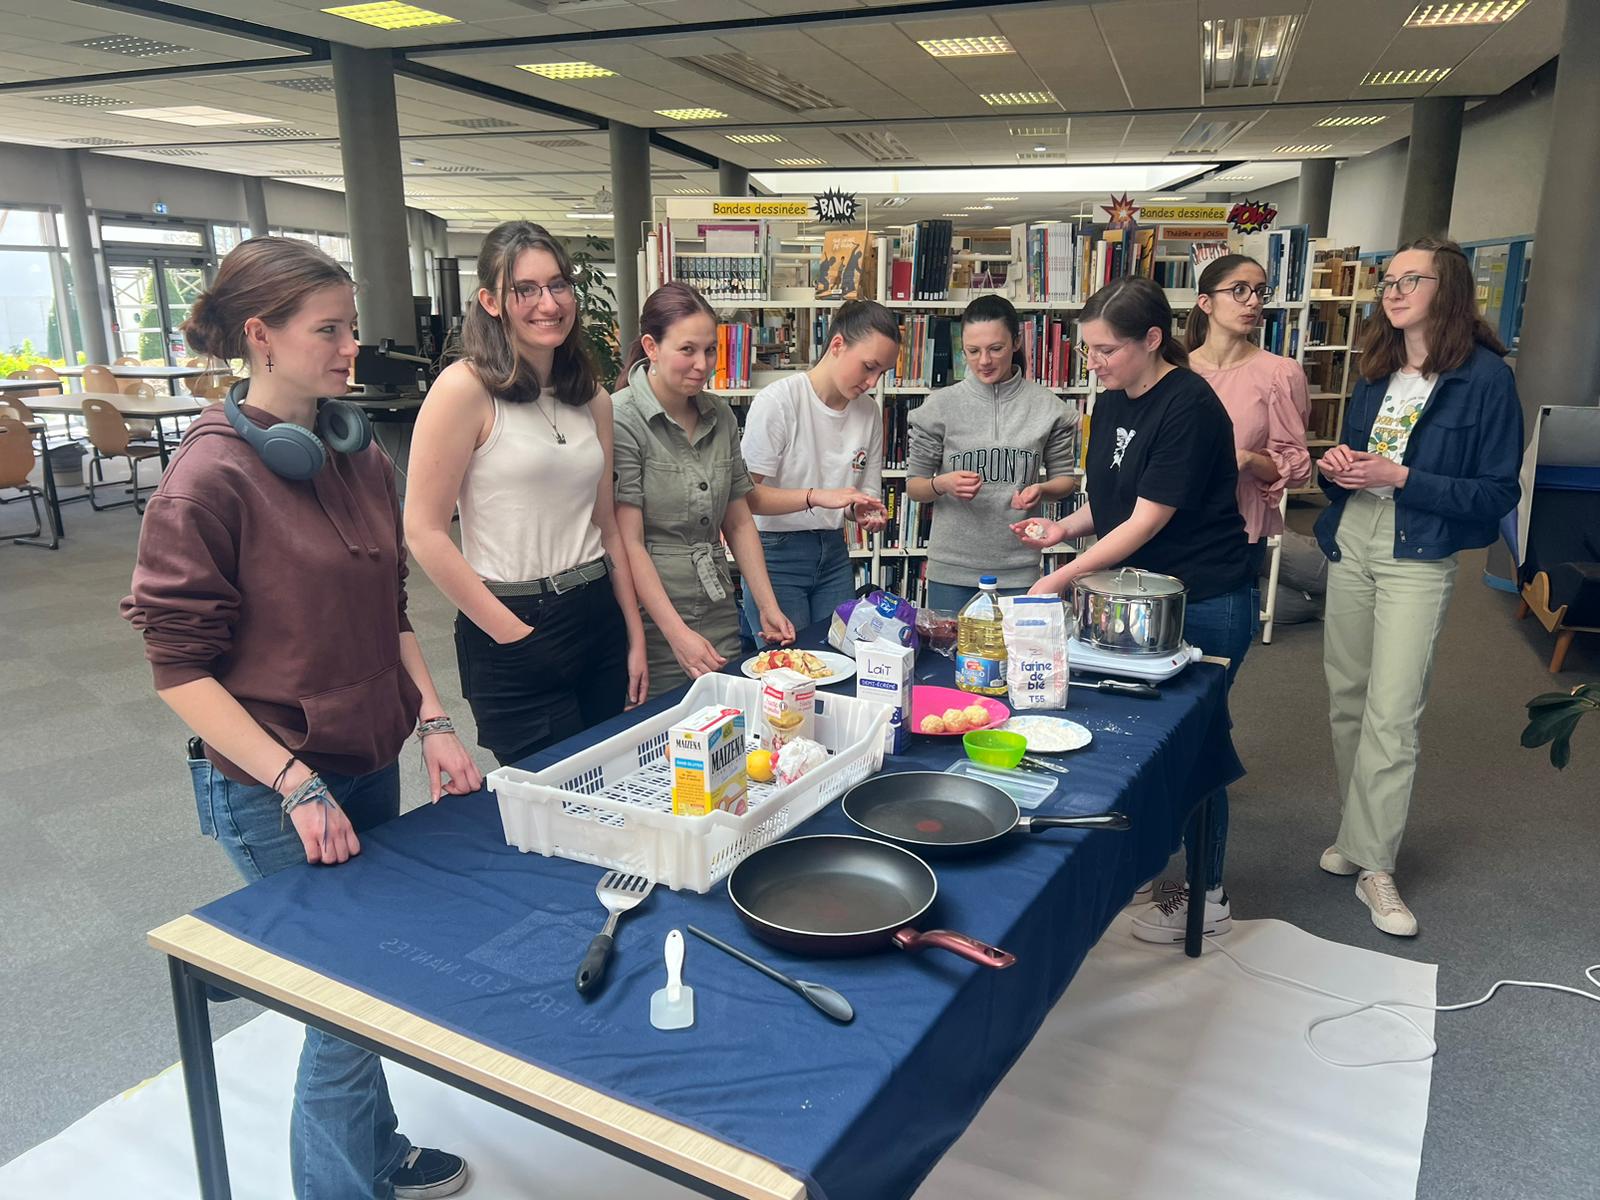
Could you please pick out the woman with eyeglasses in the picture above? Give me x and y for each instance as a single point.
(1162, 478)
(517, 436)
(1426, 467)
(1264, 393)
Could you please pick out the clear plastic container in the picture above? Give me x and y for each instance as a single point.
(981, 642)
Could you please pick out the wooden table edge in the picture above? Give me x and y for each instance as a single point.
(688, 1150)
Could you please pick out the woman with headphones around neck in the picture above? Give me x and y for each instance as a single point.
(1426, 466)
(270, 590)
(518, 435)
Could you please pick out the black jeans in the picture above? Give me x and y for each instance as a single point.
(570, 673)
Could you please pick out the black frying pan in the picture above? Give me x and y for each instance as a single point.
(936, 813)
(837, 894)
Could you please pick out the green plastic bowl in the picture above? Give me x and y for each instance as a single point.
(995, 747)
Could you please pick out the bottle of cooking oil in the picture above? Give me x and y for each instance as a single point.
(981, 642)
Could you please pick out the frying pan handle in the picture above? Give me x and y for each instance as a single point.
(1105, 820)
(970, 948)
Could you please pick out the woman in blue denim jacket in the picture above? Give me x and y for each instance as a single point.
(1426, 467)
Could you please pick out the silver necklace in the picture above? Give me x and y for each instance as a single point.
(560, 437)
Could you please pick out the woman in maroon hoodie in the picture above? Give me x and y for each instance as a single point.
(270, 590)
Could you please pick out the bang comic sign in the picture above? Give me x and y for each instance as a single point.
(836, 207)
(1252, 216)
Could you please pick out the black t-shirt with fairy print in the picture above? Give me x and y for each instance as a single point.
(1174, 446)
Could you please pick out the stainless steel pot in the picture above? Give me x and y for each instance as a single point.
(1130, 611)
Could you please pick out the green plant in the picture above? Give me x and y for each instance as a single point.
(1553, 716)
(23, 357)
(597, 313)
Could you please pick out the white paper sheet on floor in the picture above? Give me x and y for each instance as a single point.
(1154, 1075)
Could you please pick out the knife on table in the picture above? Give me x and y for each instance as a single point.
(1120, 687)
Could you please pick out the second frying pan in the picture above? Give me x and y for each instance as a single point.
(933, 812)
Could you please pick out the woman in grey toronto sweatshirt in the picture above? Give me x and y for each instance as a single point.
(986, 452)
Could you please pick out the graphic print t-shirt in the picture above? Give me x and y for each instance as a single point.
(1403, 402)
(796, 441)
(1174, 446)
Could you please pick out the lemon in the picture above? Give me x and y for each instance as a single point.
(759, 764)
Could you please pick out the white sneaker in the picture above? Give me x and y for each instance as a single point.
(1335, 863)
(1167, 920)
(1146, 893)
(1376, 890)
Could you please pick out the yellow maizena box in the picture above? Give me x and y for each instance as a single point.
(708, 764)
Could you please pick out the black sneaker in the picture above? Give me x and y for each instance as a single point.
(424, 1174)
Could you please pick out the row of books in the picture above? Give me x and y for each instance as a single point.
(1279, 334)
(907, 577)
(735, 277)
(910, 522)
(1051, 354)
(929, 347)
(1283, 253)
(922, 269)
(897, 430)
(736, 343)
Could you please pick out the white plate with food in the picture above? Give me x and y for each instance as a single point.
(1049, 735)
(822, 665)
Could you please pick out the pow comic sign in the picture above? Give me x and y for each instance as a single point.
(836, 207)
(1252, 216)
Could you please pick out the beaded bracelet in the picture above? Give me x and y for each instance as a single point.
(312, 789)
(439, 724)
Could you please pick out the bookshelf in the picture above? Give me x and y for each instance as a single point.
(929, 272)
(1338, 299)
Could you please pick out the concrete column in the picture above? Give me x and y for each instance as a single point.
(93, 317)
(732, 179)
(255, 205)
(630, 187)
(419, 259)
(1316, 195)
(1431, 167)
(1558, 361)
(374, 191)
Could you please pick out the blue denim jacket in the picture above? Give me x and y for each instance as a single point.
(1464, 455)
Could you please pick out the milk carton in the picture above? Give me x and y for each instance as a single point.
(788, 708)
(883, 673)
(708, 770)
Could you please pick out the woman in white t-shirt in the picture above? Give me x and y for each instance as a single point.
(814, 445)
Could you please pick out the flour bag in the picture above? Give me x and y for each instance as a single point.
(1035, 630)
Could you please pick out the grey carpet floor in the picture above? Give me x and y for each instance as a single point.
(98, 844)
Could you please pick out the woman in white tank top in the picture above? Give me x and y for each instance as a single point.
(518, 438)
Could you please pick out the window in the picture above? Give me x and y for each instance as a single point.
(153, 235)
(36, 316)
(225, 238)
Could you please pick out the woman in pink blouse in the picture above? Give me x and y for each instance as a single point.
(1264, 393)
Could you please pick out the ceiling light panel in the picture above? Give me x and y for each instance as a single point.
(566, 70)
(893, 202)
(192, 114)
(1246, 52)
(96, 141)
(304, 83)
(1033, 131)
(1042, 156)
(1345, 122)
(691, 114)
(1233, 178)
(130, 46)
(979, 208)
(965, 47)
(177, 152)
(279, 131)
(482, 123)
(556, 143)
(758, 78)
(1002, 199)
(879, 147)
(1410, 77)
(1465, 12)
(691, 191)
(752, 139)
(390, 15)
(800, 162)
(1308, 149)
(1006, 99)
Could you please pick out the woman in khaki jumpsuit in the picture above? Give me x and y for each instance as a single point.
(681, 488)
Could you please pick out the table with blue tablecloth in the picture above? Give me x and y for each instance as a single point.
(440, 921)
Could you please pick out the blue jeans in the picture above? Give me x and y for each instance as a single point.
(1223, 626)
(949, 597)
(810, 573)
(343, 1143)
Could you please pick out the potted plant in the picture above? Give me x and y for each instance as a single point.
(1553, 716)
(597, 313)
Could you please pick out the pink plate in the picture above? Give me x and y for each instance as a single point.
(934, 701)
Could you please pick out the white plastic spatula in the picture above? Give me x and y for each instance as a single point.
(673, 1006)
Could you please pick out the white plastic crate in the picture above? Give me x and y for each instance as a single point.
(611, 804)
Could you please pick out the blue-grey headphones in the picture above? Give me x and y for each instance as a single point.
(293, 451)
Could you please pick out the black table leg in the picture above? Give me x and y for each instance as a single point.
(161, 442)
(1199, 855)
(200, 1081)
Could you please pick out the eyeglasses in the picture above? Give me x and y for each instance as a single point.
(1242, 291)
(1089, 354)
(1403, 286)
(528, 293)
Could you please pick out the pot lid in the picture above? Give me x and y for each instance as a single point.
(1130, 581)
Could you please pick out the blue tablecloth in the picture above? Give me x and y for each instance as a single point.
(439, 916)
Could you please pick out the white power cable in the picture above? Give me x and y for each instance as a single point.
(1391, 1007)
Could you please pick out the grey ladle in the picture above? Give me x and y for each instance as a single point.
(826, 1000)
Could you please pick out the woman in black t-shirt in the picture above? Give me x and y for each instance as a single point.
(1162, 479)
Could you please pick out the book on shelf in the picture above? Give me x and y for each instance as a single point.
(733, 277)
(848, 267)
(1060, 510)
(735, 354)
